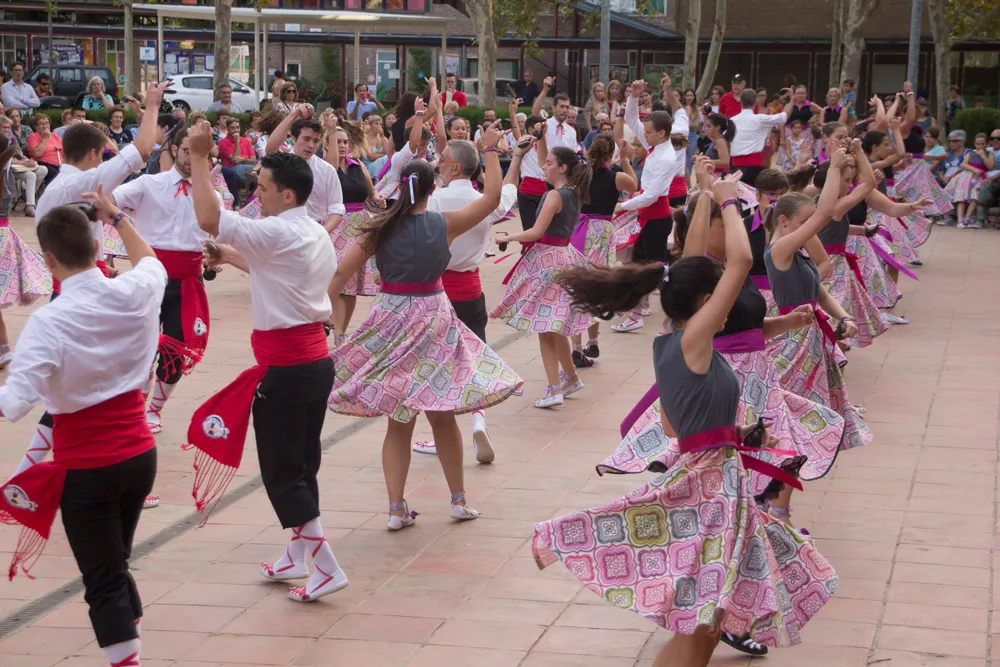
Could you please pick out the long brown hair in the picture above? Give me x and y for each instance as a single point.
(382, 226)
(786, 205)
(578, 173)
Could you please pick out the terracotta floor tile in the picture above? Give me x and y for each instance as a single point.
(219, 595)
(908, 659)
(367, 627)
(344, 652)
(943, 574)
(287, 622)
(815, 655)
(250, 649)
(919, 640)
(542, 659)
(446, 656)
(187, 618)
(936, 617)
(525, 588)
(604, 617)
(838, 633)
(940, 594)
(586, 641)
(510, 611)
(487, 634)
(47, 641)
(846, 609)
(409, 604)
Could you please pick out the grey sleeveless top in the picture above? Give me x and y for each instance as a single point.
(693, 403)
(565, 221)
(416, 252)
(798, 284)
(835, 232)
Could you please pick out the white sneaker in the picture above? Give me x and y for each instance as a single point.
(963, 224)
(150, 502)
(399, 522)
(153, 422)
(630, 323)
(947, 221)
(895, 319)
(645, 312)
(425, 447)
(481, 443)
(976, 224)
(570, 388)
(550, 400)
(463, 513)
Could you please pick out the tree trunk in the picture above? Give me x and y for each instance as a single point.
(692, 31)
(481, 13)
(718, 33)
(858, 12)
(223, 43)
(129, 88)
(836, 38)
(942, 56)
(52, 54)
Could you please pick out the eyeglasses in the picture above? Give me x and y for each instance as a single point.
(994, 138)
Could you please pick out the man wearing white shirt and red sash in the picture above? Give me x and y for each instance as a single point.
(291, 262)
(86, 356)
(652, 202)
(164, 215)
(747, 148)
(459, 162)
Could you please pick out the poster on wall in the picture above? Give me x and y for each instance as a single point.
(198, 64)
(65, 54)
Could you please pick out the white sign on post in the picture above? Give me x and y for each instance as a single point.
(147, 54)
(393, 74)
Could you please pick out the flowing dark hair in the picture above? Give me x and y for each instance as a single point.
(578, 172)
(800, 177)
(605, 291)
(602, 150)
(727, 126)
(404, 108)
(873, 139)
(418, 175)
(682, 222)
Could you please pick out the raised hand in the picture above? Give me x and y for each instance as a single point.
(200, 138)
(104, 204)
(637, 88)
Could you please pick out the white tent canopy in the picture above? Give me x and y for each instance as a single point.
(261, 20)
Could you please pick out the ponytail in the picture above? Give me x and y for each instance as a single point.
(726, 125)
(578, 172)
(786, 205)
(801, 177)
(730, 133)
(416, 182)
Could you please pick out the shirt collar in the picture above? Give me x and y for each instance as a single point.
(294, 213)
(460, 183)
(82, 279)
(176, 176)
(349, 161)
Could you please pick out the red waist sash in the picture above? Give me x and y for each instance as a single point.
(354, 206)
(823, 322)
(183, 355)
(725, 436)
(751, 160)
(678, 187)
(462, 285)
(852, 260)
(4, 222)
(533, 187)
(751, 340)
(101, 435)
(658, 209)
(545, 240)
(219, 427)
(413, 289)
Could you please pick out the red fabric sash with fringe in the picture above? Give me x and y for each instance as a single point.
(218, 428)
(182, 355)
(95, 437)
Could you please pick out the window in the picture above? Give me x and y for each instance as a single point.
(13, 49)
(68, 74)
(238, 87)
(293, 70)
(197, 82)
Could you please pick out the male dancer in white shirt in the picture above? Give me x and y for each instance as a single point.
(326, 203)
(164, 216)
(459, 162)
(85, 171)
(291, 262)
(86, 356)
(747, 148)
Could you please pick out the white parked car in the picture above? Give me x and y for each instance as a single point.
(192, 92)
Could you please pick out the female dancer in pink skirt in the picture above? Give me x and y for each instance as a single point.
(963, 188)
(684, 549)
(534, 302)
(806, 360)
(412, 354)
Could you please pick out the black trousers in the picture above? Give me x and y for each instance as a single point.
(288, 415)
(100, 510)
(651, 246)
(171, 325)
(527, 208)
(750, 174)
(473, 314)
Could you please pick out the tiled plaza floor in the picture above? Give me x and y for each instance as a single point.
(909, 522)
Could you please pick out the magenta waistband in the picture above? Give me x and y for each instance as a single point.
(4, 222)
(762, 282)
(413, 289)
(751, 340)
(891, 182)
(917, 156)
(980, 167)
(354, 206)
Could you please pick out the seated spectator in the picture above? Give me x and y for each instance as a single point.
(27, 173)
(18, 130)
(238, 159)
(71, 117)
(43, 85)
(117, 130)
(225, 101)
(45, 147)
(96, 97)
(286, 98)
(600, 120)
(221, 127)
(253, 133)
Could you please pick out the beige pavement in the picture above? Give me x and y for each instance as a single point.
(909, 522)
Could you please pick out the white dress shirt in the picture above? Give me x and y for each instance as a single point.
(661, 161)
(398, 161)
(530, 167)
(327, 197)
(291, 262)
(68, 187)
(21, 97)
(752, 130)
(469, 249)
(554, 136)
(95, 342)
(164, 215)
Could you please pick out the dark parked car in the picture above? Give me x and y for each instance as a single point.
(69, 83)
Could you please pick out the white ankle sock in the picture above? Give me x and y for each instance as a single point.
(478, 420)
(322, 554)
(38, 450)
(161, 393)
(123, 654)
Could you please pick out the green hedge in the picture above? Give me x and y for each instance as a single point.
(55, 116)
(974, 121)
(475, 114)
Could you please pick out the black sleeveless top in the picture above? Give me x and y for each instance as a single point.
(830, 115)
(914, 142)
(801, 114)
(758, 241)
(694, 403)
(747, 313)
(354, 184)
(858, 213)
(835, 232)
(603, 192)
(888, 171)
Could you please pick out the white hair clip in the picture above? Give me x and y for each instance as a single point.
(412, 177)
(666, 273)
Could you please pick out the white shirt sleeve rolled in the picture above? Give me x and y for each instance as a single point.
(37, 358)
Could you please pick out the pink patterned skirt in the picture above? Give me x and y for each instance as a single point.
(23, 275)
(902, 248)
(626, 227)
(882, 290)
(598, 247)
(844, 286)
(965, 186)
(916, 182)
(533, 302)
(413, 354)
(344, 236)
(808, 365)
(113, 244)
(691, 548)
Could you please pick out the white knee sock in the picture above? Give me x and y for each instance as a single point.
(38, 450)
(161, 392)
(295, 553)
(123, 654)
(478, 420)
(319, 548)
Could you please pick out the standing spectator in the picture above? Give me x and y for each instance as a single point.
(363, 102)
(116, 130)
(729, 104)
(43, 85)
(287, 96)
(238, 158)
(451, 91)
(279, 83)
(989, 191)
(951, 105)
(225, 101)
(600, 120)
(398, 124)
(70, 117)
(557, 129)
(525, 90)
(96, 98)
(597, 104)
(18, 130)
(377, 147)
(24, 169)
(849, 99)
(714, 97)
(45, 147)
(179, 115)
(615, 92)
(17, 94)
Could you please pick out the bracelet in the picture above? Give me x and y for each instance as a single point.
(418, 113)
(847, 318)
(734, 202)
(490, 149)
(118, 218)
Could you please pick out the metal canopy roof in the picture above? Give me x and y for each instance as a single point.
(300, 16)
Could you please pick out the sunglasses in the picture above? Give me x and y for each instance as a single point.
(994, 138)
